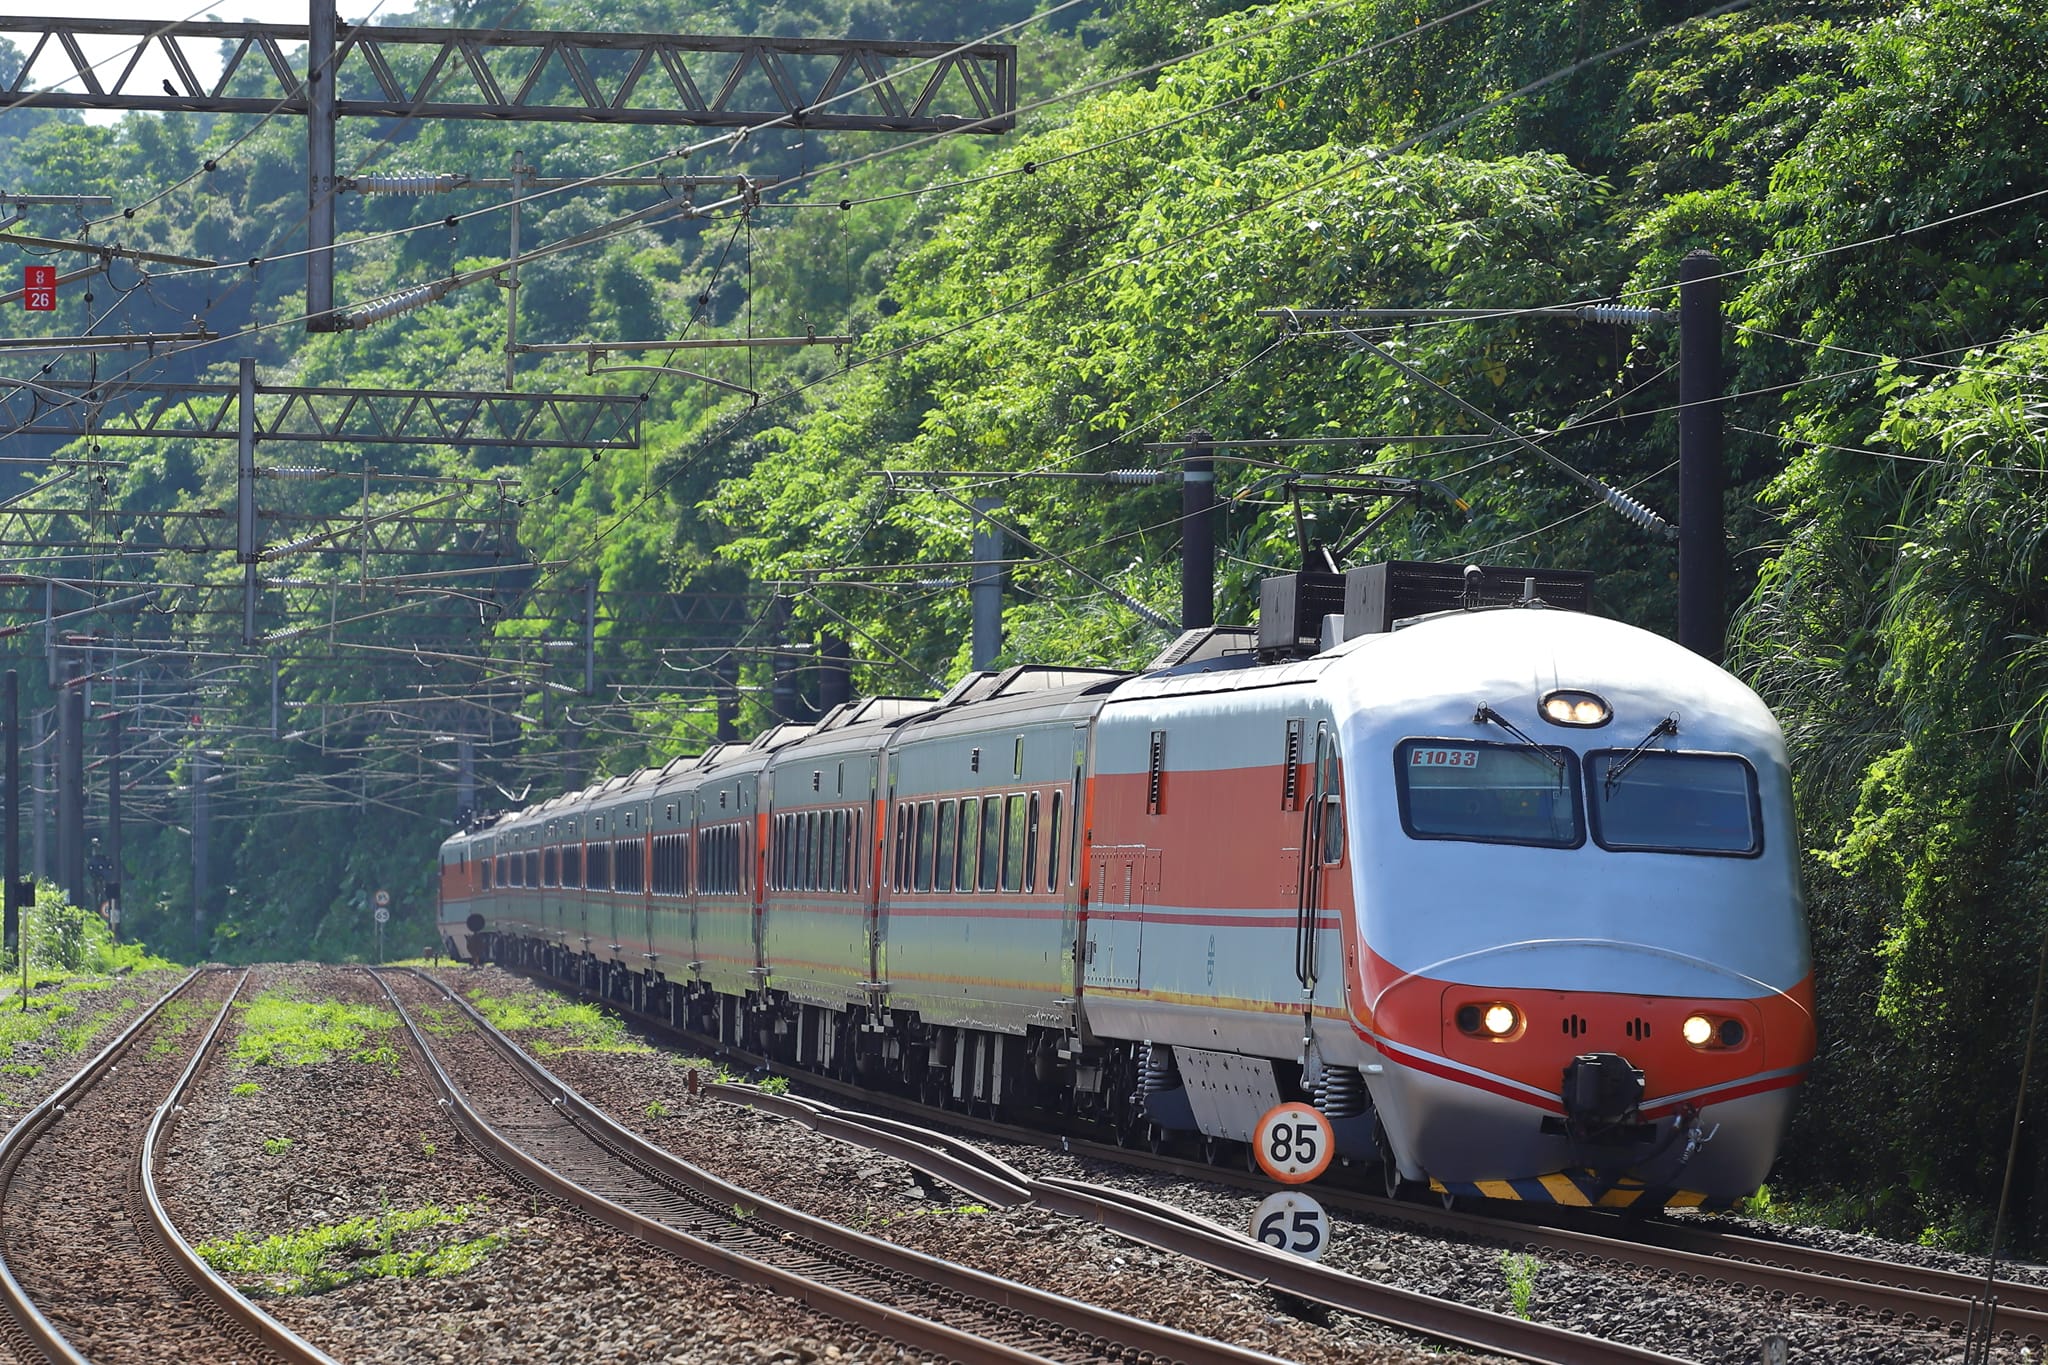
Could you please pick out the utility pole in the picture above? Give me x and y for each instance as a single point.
(835, 673)
(320, 167)
(114, 877)
(10, 892)
(728, 698)
(1198, 535)
(71, 786)
(987, 587)
(39, 784)
(202, 882)
(246, 548)
(590, 638)
(782, 692)
(1702, 553)
(465, 778)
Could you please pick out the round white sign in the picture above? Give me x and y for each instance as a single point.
(1292, 1221)
(1293, 1143)
(382, 916)
(382, 898)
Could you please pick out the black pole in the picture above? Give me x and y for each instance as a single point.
(835, 673)
(1197, 535)
(10, 893)
(1702, 553)
(113, 888)
(728, 699)
(782, 694)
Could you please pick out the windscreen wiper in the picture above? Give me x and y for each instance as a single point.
(1666, 726)
(1486, 713)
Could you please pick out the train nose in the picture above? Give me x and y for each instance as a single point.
(1602, 1091)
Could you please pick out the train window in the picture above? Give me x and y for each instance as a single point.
(813, 849)
(927, 834)
(533, 867)
(485, 866)
(1015, 844)
(627, 856)
(1488, 793)
(1052, 846)
(572, 866)
(1031, 844)
(963, 870)
(503, 877)
(991, 840)
(1674, 802)
(949, 851)
(597, 869)
(1333, 815)
(837, 878)
(800, 878)
(901, 878)
(550, 869)
(853, 850)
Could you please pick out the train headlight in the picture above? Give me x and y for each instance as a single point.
(1496, 1020)
(1571, 707)
(1698, 1030)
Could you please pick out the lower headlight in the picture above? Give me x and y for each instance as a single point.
(1698, 1030)
(1499, 1020)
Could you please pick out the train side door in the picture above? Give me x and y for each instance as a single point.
(1322, 846)
(880, 870)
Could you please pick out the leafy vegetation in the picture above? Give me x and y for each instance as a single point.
(1057, 300)
(587, 1027)
(280, 1029)
(390, 1245)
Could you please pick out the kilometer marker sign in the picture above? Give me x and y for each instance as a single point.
(39, 289)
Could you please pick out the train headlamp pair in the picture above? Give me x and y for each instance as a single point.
(1705, 1031)
(1497, 1020)
(1576, 708)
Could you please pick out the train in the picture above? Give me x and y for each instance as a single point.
(1507, 889)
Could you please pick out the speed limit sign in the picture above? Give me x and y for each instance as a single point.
(1292, 1221)
(1294, 1143)
(381, 915)
(382, 898)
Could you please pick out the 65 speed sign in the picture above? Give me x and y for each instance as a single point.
(1294, 1143)
(1292, 1221)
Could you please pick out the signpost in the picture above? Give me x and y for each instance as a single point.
(382, 915)
(39, 289)
(1294, 1144)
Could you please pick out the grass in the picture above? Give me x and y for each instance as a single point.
(277, 1146)
(775, 1085)
(590, 1029)
(1519, 1268)
(282, 1030)
(175, 1020)
(245, 1088)
(330, 1255)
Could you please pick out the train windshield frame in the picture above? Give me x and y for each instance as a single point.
(1675, 801)
(1485, 792)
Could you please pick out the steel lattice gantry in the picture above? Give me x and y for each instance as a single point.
(211, 411)
(420, 73)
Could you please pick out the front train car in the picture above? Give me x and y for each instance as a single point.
(1583, 959)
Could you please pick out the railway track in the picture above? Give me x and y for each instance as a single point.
(91, 1266)
(1881, 1291)
(539, 1129)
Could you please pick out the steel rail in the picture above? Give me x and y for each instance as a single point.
(1909, 1295)
(223, 1300)
(32, 1335)
(1178, 1232)
(1135, 1336)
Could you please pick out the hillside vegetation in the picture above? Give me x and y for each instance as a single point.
(1871, 175)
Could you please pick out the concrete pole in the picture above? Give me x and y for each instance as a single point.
(10, 892)
(245, 496)
(1702, 549)
(987, 588)
(114, 877)
(782, 690)
(465, 778)
(202, 881)
(320, 167)
(835, 675)
(1198, 535)
(71, 788)
(39, 786)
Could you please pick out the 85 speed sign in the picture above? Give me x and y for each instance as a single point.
(1294, 1143)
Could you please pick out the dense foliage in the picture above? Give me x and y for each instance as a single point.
(1053, 302)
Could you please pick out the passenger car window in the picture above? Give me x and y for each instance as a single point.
(1488, 793)
(1674, 802)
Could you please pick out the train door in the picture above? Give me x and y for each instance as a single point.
(1116, 915)
(1074, 859)
(1322, 845)
(882, 818)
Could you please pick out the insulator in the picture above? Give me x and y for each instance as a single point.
(419, 183)
(1627, 315)
(1635, 511)
(1135, 476)
(293, 471)
(392, 305)
(1340, 1092)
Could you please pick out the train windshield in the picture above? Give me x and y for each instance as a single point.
(1674, 803)
(1488, 793)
